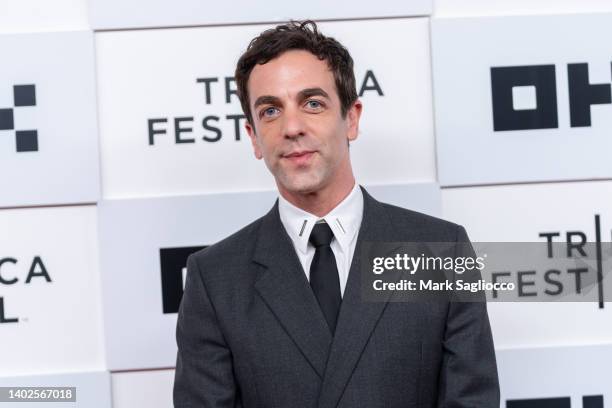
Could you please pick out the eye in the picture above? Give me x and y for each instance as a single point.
(268, 112)
(314, 104)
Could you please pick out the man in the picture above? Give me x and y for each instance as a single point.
(273, 316)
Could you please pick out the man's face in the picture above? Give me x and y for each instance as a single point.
(297, 126)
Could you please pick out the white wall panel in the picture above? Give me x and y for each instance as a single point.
(152, 74)
(485, 135)
(520, 213)
(151, 389)
(50, 290)
(42, 16)
(48, 129)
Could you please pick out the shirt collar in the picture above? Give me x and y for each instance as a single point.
(344, 220)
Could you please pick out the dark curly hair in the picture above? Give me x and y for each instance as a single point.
(297, 35)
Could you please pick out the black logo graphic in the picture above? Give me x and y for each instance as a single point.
(23, 96)
(588, 401)
(542, 79)
(173, 263)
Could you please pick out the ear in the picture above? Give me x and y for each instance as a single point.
(352, 116)
(253, 136)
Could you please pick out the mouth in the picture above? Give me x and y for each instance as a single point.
(299, 157)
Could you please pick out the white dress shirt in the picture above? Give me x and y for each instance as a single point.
(344, 221)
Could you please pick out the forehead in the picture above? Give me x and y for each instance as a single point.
(289, 73)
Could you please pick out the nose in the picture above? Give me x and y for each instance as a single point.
(293, 124)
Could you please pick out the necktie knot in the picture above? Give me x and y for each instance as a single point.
(321, 235)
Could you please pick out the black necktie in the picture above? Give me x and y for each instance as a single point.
(324, 278)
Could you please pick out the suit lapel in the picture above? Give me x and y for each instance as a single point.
(286, 291)
(357, 318)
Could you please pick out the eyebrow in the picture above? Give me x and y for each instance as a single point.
(308, 92)
(265, 100)
(303, 94)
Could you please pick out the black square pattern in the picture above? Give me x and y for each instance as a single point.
(27, 140)
(6, 119)
(25, 95)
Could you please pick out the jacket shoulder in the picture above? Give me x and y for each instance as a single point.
(425, 227)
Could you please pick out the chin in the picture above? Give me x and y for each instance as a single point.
(303, 185)
(302, 189)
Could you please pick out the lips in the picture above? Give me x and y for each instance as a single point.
(299, 157)
(298, 154)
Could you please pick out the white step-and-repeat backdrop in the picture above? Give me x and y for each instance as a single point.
(122, 149)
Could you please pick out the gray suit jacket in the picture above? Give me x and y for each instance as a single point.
(250, 332)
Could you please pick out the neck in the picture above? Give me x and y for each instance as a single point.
(322, 201)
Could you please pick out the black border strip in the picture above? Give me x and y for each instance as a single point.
(599, 262)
